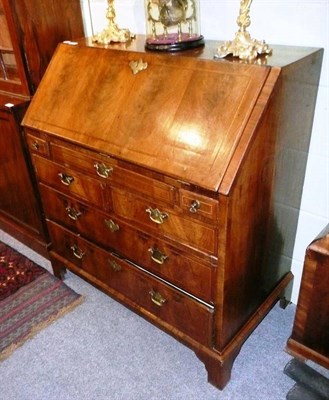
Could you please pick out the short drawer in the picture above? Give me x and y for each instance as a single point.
(70, 181)
(37, 145)
(196, 205)
(169, 306)
(165, 221)
(106, 167)
(168, 262)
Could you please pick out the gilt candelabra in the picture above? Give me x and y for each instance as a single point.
(243, 46)
(112, 33)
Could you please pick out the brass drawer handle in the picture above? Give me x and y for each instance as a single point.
(66, 179)
(73, 213)
(156, 215)
(35, 145)
(113, 227)
(195, 205)
(102, 170)
(77, 252)
(157, 298)
(157, 256)
(114, 265)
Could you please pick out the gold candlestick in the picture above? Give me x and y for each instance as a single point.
(243, 46)
(112, 33)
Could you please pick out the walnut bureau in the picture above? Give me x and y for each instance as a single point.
(158, 175)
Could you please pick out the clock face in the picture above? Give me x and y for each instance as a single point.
(172, 24)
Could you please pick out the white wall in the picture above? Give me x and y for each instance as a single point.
(288, 22)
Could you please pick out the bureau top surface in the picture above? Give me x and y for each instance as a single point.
(181, 115)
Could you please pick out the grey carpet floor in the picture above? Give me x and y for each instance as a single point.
(103, 351)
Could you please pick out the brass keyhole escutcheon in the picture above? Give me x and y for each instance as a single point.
(137, 66)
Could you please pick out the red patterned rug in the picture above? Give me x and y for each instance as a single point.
(30, 299)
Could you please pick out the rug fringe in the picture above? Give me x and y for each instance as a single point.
(42, 325)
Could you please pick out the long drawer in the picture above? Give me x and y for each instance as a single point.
(148, 294)
(175, 265)
(165, 221)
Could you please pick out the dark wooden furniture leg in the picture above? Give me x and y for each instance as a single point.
(59, 268)
(219, 370)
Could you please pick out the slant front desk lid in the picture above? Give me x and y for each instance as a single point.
(181, 115)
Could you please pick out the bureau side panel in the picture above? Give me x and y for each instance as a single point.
(291, 117)
(248, 212)
(260, 236)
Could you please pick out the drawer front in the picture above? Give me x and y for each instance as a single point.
(190, 274)
(196, 205)
(145, 292)
(37, 145)
(107, 168)
(70, 182)
(165, 222)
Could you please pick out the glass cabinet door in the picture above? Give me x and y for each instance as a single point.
(12, 72)
(8, 64)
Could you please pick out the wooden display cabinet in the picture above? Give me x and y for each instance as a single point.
(29, 33)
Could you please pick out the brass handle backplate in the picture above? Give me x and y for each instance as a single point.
(66, 179)
(103, 170)
(157, 298)
(157, 256)
(195, 205)
(73, 213)
(156, 215)
(114, 265)
(35, 145)
(77, 252)
(113, 227)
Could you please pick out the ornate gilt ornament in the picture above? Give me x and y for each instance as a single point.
(112, 33)
(243, 46)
